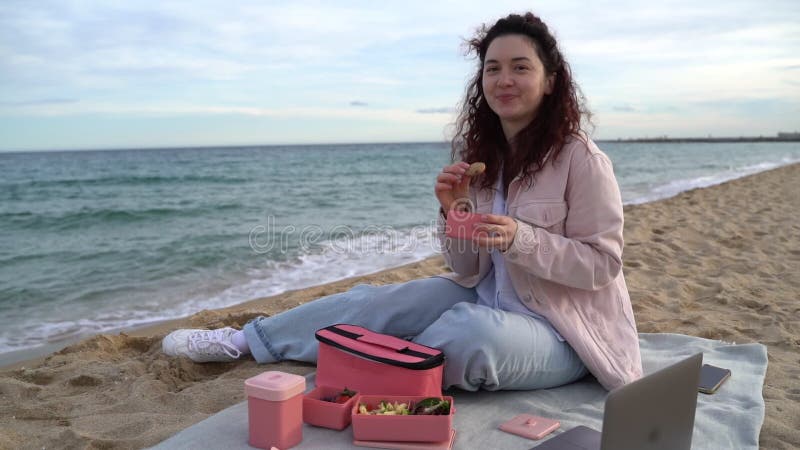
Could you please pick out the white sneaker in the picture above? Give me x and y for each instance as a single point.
(202, 345)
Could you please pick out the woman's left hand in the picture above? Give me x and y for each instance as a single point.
(495, 232)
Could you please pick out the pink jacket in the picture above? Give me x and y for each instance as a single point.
(566, 259)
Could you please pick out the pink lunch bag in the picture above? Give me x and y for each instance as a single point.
(374, 363)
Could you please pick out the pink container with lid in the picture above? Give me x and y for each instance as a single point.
(331, 415)
(275, 409)
(411, 428)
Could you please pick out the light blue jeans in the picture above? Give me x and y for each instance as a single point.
(484, 348)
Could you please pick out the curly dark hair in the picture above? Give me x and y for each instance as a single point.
(479, 135)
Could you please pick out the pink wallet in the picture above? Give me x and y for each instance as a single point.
(530, 426)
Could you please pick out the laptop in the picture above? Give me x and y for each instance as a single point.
(655, 412)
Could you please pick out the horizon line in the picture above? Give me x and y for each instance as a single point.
(778, 137)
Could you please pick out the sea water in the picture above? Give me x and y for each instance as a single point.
(93, 241)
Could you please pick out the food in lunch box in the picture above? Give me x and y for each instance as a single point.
(428, 406)
(386, 409)
(432, 406)
(341, 397)
(475, 169)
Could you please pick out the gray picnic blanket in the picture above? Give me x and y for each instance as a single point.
(729, 419)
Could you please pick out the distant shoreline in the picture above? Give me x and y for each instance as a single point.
(665, 140)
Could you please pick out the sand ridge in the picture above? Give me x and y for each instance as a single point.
(720, 263)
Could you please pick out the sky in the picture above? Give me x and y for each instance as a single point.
(131, 74)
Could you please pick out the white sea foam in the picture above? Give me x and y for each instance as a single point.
(332, 261)
(356, 255)
(675, 187)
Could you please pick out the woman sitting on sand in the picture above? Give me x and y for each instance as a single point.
(539, 297)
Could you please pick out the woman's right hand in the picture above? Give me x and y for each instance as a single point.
(452, 185)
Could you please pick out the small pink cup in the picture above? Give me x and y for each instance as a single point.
(461, 225)
(275, 409)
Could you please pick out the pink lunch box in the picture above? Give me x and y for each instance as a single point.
(373, 363)
(321, 413)
(410, 428)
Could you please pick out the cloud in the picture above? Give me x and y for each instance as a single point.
(624, 108)
(39, 102)
(358, 103)
(311, 113)
(443, 110)
(759, 107)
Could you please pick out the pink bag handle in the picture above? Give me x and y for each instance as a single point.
(384, 341)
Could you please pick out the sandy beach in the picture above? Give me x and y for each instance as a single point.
(720, 263)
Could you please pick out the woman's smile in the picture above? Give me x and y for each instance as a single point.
(506, 98)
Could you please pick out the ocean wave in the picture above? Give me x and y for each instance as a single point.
(42, 256)
(85, 217)
(353, 255)
(332, 260)
(126, 181)
(46, 332)
(675, 187)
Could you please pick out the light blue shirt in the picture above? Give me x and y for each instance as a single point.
(495, 289)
